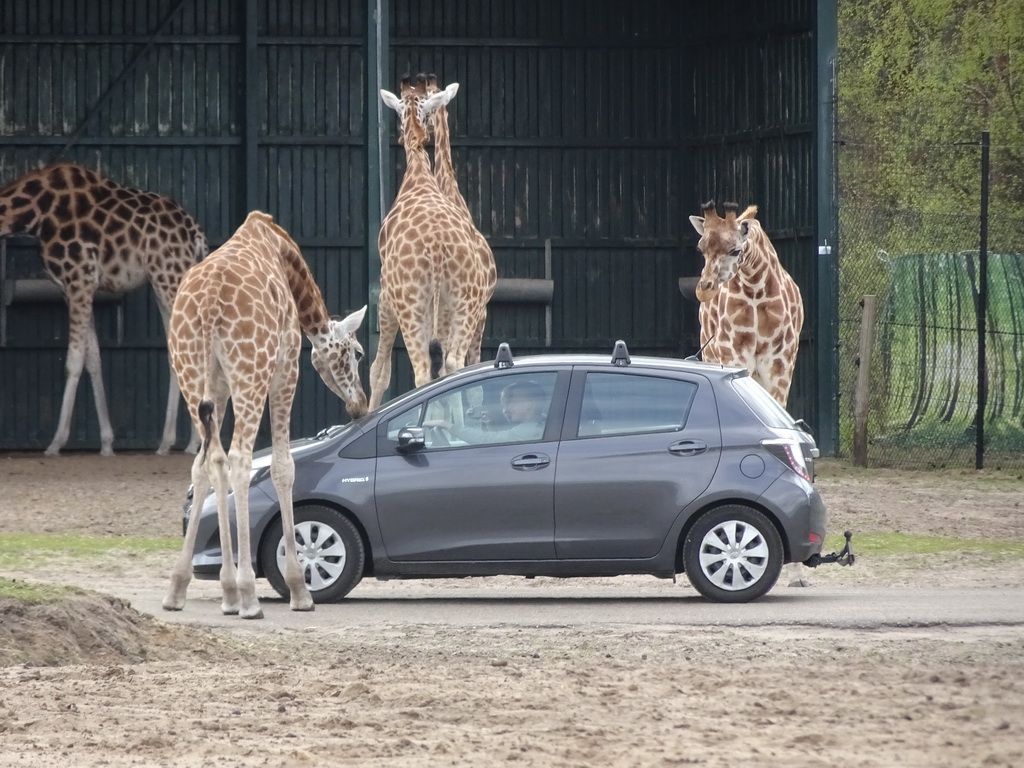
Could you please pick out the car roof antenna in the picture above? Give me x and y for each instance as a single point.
(620, 355)
(698, 354)
(504, 357)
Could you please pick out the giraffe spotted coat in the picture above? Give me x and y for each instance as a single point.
(434, 280)
(751, 312)
(96, 235)
(236, 332)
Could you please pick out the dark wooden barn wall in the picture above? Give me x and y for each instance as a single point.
(599, 126)
(751, 131)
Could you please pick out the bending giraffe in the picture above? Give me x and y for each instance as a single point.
(236, 332)
(433, 281)
(96, 235)
(751, 312)
(444, 174)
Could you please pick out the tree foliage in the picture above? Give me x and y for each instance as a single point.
(918, 79)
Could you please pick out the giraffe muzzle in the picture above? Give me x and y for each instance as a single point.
(707, 290)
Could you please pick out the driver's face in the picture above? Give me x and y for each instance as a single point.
(517, 409)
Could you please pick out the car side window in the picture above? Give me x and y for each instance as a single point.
(411, 418)
(618, 404)
(509, 409)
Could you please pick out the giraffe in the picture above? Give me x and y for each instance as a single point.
(235, 333)
(95, 234)
(444, 174)
(434, 284)
(751, 312)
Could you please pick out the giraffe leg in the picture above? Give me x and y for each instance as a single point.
(170, 433)
(797, 575)
(380, 371)
(181, 573)
(248, 409)
(282, 472)
(241, 600)
(83, 352)
(95, 369)
(473, 355)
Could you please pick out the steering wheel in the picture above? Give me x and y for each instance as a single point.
(438, 436)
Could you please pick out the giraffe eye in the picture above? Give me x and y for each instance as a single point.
(359, 355)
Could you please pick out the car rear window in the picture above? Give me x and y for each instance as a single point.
(764, 406)
(615, 404)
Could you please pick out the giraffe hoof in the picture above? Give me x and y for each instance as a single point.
(799, 583)
(257, 614)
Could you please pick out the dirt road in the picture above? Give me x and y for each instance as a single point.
(630, 684)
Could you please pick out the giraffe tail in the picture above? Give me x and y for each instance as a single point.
(206, 417)
(436, 358)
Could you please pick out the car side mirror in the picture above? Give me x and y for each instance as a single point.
(411, 439)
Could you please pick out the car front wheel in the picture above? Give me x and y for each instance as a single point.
(733, 554)
(330, 549)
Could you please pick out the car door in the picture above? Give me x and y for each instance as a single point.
(463, 501)
(639, 445)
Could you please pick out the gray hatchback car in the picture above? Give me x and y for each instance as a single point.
(554, 465)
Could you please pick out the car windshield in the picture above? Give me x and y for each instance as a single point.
(762, 404)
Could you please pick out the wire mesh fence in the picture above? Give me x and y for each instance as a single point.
(944, 385)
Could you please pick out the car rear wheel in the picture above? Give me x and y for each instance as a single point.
(330, 549)
(733, 554)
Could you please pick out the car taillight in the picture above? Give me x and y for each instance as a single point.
(791, 453)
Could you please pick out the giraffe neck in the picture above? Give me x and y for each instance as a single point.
(417, 169)
(444, 171)
(759, 260)
(313, 316)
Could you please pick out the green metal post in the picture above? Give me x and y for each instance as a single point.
(378, 165)
(250, 136)
(826, 333)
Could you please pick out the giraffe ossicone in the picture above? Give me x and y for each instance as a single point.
(236, 333)
(97, 235)
(751, 312)
(435, 280)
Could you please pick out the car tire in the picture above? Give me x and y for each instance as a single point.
(733, 554)
(331, 553)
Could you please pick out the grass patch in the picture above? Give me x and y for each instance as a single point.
(20, 549)
(36, 594)
(903, 544)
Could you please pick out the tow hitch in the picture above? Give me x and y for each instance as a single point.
(843, 557)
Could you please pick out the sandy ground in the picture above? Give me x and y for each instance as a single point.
(91, 682)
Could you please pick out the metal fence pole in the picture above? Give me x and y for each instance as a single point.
(979, 452)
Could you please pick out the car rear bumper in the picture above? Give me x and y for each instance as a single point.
(802, 513)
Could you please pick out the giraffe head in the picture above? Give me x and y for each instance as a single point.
(440, 119)
(416, 105)
(723, 242)
(336, 355)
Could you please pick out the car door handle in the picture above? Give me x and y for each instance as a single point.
(688, 447)
(531, 461)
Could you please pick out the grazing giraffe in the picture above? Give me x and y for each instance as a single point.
(434, 284)
(96, 235)
(444, 174)
(236, 332)
(751, 311)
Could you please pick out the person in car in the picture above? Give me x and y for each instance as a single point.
(522, 404)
